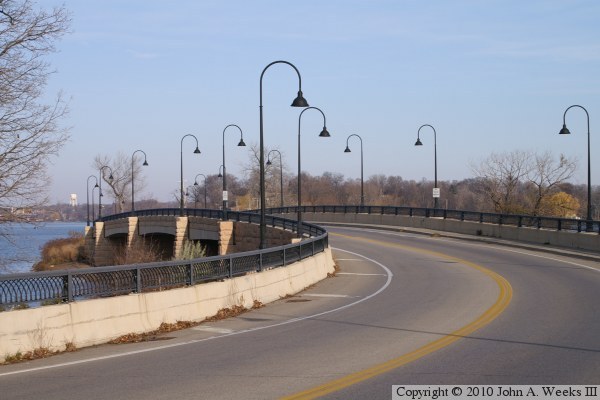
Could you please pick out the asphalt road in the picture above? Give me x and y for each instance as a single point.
(404, 309)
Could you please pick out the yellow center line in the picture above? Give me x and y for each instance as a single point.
(503, 300)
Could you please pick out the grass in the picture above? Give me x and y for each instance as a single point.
(62, 251)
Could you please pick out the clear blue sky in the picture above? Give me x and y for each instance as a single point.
(490, 76)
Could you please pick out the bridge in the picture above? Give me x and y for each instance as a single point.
(169, 228)
(501, 315)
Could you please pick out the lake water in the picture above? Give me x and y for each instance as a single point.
(21, 244)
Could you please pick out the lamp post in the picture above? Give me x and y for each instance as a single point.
(225, 195)
(197, 151)
(280, 174)
(565, 131)
(323, 133)
(133, 178)
(87, 198)
(436, 194)
(196, 184)
(299, 101)
(93, 205)
(362, 185)
(110, 178)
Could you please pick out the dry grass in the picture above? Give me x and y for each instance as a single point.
(139, 252)
(179, 325)
(61, 251)
(40, 352)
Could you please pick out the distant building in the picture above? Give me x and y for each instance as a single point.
(73, 200)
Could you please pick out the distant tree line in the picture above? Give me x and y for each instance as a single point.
(511, 183)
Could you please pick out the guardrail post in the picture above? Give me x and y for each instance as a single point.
(68, 287)
(230, 266)
(284, 256)
(189, 273)
(260, 262)
(480, 218)
(559, 225)
(138, 280)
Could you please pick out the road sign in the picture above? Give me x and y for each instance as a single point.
(436, 192)
(225, 195)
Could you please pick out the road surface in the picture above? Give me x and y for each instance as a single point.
(404, 309)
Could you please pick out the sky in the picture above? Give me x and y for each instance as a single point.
(489, 76)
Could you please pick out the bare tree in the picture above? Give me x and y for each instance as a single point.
(500, 177)
(30, 131)
(120, 186)
(546, 175)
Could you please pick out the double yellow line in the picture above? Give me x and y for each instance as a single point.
(503, 300)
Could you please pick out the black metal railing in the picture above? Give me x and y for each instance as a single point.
(69, 285)
(521, 221)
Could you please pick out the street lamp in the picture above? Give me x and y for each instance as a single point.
(565, 131)
(93, 205)
(436, 194)
(299, 101)
(323, 133)
(132, 177)
(225, 196)
(362, 186)
(110, 178)
(280, 173)
(87, 198)
(196, 184)
(197, 151)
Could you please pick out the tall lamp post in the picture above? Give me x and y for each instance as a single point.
(565, 131)
(110, 178)
(87, 199)
(436, 193)
(225, 195)
(323, 133)
(197, 151)
(280, 174)
(299, 101)
(196, 184)
(362, 184)
(133, 178)
(93, 205)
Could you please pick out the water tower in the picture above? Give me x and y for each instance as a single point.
(73, 200)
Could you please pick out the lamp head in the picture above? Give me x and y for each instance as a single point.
(197, 151)
(96, 185)
(145, 164)
(195, 183)
(241, 143)
(324, 132)
(220, 175)
(300, 101)
(347, 149)
(418, 143)
(110, 178)
(564, 130)
(269, 162)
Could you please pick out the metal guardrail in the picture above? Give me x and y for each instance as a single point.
(70, 285)
(521, 221)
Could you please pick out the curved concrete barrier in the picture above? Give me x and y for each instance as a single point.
(92, 322)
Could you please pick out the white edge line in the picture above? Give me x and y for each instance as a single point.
(129, 353)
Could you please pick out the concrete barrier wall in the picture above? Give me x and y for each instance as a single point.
(92, 322)
(574, 240)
